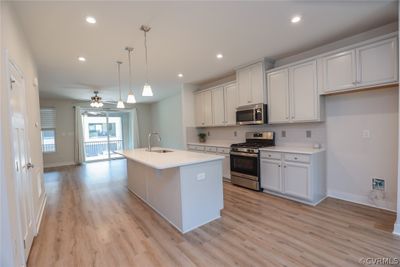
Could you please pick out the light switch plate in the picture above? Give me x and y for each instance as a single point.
(201, 176)
(308, 133)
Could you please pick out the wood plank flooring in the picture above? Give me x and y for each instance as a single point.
(91, 219)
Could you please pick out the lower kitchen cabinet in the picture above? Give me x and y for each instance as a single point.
(297, 176)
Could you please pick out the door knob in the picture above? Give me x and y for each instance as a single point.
(30, 165)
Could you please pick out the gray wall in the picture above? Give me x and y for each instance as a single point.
(166, 118)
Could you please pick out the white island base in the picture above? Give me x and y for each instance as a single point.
(186, 196)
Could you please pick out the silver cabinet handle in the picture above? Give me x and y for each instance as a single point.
(295, 157)
(30, 165)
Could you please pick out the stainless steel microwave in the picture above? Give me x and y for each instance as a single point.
(252, 114)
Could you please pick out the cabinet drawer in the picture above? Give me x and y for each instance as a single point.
(270, 155)
(191, 147)
(297, 158)
(211, 149)
(223, 150)
(194, 147)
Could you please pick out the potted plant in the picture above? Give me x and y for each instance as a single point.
(202, 137)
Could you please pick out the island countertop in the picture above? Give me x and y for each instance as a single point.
(173, 159)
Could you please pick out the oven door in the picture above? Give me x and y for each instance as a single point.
(246, 116)
(247, 164)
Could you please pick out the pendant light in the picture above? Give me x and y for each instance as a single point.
(146, 88)
(120, 104)
(131, 97)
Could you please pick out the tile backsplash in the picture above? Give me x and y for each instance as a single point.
(305, 134)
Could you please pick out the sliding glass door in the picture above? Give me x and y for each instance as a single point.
(103, 134)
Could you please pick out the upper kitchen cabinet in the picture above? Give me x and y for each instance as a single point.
(377, 63)
(339, 71)
(368, 65)
(293, 94)
(216, 106)
(251, 84)
(203, 109)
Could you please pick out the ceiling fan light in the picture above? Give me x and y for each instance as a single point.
(147, 90)
(120, 104)
(100, 104)
(131, 98)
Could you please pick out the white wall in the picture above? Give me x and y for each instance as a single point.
(352, 161)
(166, 118)
(65, 129)
(13, 40)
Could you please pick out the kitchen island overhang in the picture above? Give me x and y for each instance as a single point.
(183, 187)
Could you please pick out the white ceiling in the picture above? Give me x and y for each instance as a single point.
(185, 37)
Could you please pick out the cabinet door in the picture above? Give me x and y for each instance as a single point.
(257, 83)
(271, 178)
(304, 92)
(207, 104)
(218, 107)
(377, 63)
(199, 109)
(297, 180)
(244, 86)
(226, 167)
(230, 94)
(339, 71)
(278, 96)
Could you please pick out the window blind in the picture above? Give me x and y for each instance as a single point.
(48, 118)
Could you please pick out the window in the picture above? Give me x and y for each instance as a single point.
(48, 133)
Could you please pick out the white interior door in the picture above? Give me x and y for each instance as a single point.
(21, 158)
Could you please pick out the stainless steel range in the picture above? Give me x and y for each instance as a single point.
(245, 159)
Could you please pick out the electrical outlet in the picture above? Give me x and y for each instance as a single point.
(366, 133)
(283, 133)
(308, 134)
(378, 184)
(234, 133)
(208, 133)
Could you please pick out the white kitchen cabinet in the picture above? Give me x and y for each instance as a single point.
(297, 180)
(294, 175)
(293, 94)
(339, 71)
(278, 96)
(203, 109)
(230, 103)
(271, 171)
(304, 97)
(251, 84)
(363, 66)
(218, 104)
(377, 63)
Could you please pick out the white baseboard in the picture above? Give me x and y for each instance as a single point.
(40, 214)
(363, 200)
(59, 164)
(396, 229)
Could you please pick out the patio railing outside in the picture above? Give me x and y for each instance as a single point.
(95, 150)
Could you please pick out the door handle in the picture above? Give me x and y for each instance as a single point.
(30, 165)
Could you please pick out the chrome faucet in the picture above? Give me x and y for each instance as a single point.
(149, 140)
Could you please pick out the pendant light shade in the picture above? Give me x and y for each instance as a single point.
(147, 91)
(120, 104)
(131, 97)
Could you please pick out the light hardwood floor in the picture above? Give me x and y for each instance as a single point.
(92, 220)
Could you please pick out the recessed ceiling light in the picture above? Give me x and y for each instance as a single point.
(90, 20)
(82, 59)
(219, 56)
(296, 19)
(180, 75)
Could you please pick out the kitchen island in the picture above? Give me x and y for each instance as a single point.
(183, 187)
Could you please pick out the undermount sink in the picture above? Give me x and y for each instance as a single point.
(161, 151)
